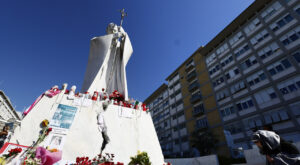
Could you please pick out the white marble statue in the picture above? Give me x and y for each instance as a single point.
(108, 57)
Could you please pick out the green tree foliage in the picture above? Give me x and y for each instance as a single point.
(205, 141)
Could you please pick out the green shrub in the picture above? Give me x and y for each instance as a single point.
(141, 158)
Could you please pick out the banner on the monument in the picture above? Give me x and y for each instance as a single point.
(63, 117)
(60, 123)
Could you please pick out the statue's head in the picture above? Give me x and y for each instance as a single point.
(112, 28)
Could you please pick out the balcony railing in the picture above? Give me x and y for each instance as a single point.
(191, 75)
(189, 67)
(194, 86)
(201, 127)
(195, 98)
(199, 110)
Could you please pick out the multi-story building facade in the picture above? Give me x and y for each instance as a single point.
(184, 106)
(253, 65)
(159, 108)
(245, 78)
(191, 94)
(8, 115)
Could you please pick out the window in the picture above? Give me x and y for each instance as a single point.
(296, 55)
(228, 59)
(236, 38)
(237, 87)
(279, 66)
(244, 104)
(181, 126)
(198, 109)
(228, 110)
(295, 108)
(276, 116)
(190, 62)
(201, 123)
(222, 94)
(265, 96)
(218, 81)
(176, 141)
(232, 73)
(289, 86)
(259, 37)
(177, 92)
(274, 8)
(291, 36)
(253, 122)
(252, 26)
(184, 139)
(178, 114)
(222, 48)
(179, 102)
(155, 102)
(297, 9)
(234, 128)
(214, 69)
(173, 106)
(210, 58)
(241, 50)
(281, 22)
(268, 51)
(166, 103)
(248, 63)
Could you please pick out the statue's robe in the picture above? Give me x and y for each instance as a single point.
(106, 65)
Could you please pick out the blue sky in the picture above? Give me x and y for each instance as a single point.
(44, 43)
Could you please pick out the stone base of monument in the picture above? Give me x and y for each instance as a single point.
(76, 132)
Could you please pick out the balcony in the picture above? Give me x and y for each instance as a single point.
(192, 75)
(193, 86)
(201, 126)
(195, 98)
(199, 110)
(189, 66)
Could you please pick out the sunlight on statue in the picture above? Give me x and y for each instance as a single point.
(108, 58)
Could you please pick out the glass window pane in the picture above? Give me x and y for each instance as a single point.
(288, 18)
(268, 118)
(286, 63)
(284, 91)
(285, 42)
(272, 71)
(283, 115)
(275, 117)
(298, 84)
(297, 56)
(245, 105)
(262, 76)
(239, 106)
(222, 113)
(280, 23)
(258, 122)
(294, 37)
(279, 68)
(250, 103)
(232, 110)
(273, 95)
(292, 87)
(251, 83)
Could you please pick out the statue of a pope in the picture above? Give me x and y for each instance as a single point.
(108, 57)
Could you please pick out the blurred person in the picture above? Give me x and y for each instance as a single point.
(277, 151)
(3, 135)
